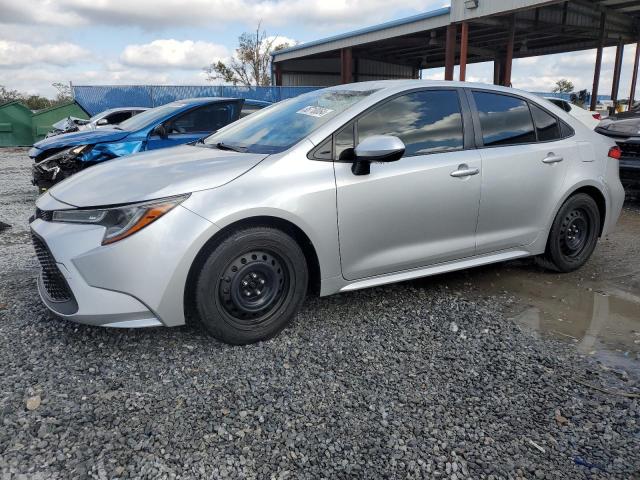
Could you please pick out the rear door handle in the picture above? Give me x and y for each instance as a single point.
(465, 171)
(552, 158)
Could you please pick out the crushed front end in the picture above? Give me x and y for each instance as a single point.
(60, 165)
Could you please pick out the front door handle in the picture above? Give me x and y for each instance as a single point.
(552, 158)
(465, 171)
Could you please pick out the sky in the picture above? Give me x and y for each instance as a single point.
(91, 42)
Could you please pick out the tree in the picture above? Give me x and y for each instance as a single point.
(563, 86)
(64, 92)
(37, 102)
(251, 64)
(7, 95)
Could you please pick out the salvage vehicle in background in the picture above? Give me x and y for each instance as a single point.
(624, 129)
(590, 119)
(338, 189)
(112, 116)
(169, 125)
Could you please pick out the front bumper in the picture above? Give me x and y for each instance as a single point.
(136, 282)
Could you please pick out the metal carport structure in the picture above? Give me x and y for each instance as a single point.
(468, 31)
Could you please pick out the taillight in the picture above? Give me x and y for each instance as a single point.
(615, 152)
(597, 116)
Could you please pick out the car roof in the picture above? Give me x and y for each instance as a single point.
(203, 100)
(399, 85)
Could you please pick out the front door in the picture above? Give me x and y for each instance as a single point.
(420, 210)
(195, 124)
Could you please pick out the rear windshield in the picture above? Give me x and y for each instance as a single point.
(279, 127)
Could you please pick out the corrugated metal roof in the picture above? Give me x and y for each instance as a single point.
(353, 35)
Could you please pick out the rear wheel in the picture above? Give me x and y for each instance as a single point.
(573, 235)
(251, 285)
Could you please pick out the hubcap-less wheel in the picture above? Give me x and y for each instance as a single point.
(252, 286)
(575, 232)
(573, 235)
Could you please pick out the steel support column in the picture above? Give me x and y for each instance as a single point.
(278, 73)
(634, 76)
(497, 70)
(346, 63)
(464, 43)
(598, 66)
(508, 62)
(616, 71)
(450, 51)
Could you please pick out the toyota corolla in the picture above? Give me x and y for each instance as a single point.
(339, 189)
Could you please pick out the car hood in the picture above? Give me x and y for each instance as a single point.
(154, 174)
(86, 137)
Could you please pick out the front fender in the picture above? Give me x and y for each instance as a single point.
(106, 151)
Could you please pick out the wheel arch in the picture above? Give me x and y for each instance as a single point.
(598, 197)
(285, 226)
(594, 191)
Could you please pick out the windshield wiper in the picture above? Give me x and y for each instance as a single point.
(226, 146)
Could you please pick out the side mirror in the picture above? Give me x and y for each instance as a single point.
(161, 131)
(378, 148)
(102, 121)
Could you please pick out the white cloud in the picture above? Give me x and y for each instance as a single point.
(158, 14)
(18, 53)
(185, 54)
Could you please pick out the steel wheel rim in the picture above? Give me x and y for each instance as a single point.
(575, 233)
(252, 287)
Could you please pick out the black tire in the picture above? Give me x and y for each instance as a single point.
(251, 285)
(573, 235)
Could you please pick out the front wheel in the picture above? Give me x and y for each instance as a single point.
(251, 285)
(573, 235)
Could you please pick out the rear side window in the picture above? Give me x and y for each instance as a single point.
(426, 121)
(504, 120)
(547, 126)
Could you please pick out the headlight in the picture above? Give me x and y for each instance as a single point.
(120, 222)
(67, 154)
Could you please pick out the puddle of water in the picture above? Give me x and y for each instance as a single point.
(604, 322)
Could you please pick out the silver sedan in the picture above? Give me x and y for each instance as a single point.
(339, 189)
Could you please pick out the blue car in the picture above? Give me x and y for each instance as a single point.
(175, 123)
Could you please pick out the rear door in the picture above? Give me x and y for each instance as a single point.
(196, 123)
(525, 152)
(416, 211)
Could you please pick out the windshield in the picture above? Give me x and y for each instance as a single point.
(277, 128)
(149, 117)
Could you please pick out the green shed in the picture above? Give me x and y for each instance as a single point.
(15, 125)
(43, 119)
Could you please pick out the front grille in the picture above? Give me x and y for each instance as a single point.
(46, 215)
(630, 150)
(54, 283)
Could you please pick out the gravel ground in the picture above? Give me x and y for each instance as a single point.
(407, 381)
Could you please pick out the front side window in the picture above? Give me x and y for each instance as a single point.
(282, 125)
(547, 127)
(207, 118)
(504, 120)
(344, 143)
(426, 121)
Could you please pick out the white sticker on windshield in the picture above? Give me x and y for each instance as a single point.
(314, 111)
